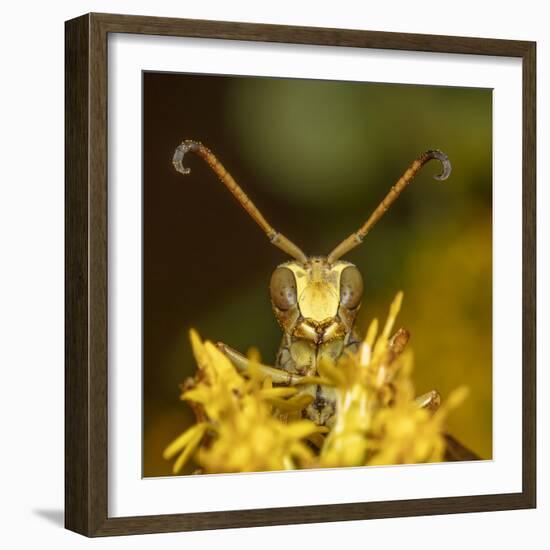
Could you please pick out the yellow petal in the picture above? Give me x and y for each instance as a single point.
(327, 370)
(179, 443)
(222, 365)
(296, 403)
(394, 310)
(457, 397)
(254, 355)
(371, 333)
(197, 347)
(201, 357)
(188, 451)
(301, 429)
(201, 394)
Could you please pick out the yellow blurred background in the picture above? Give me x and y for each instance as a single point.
(316, 157)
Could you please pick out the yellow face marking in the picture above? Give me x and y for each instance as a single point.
(318, 301)
(318, 288)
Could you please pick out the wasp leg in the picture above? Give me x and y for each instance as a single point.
(429, 401)
(242, 363)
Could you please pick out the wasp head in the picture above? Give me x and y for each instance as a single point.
(316, 300)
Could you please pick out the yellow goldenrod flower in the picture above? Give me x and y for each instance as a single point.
(245, 423)
(244, 433)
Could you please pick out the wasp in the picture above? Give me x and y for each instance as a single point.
(315, 299)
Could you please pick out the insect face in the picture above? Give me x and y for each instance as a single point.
(316, 300)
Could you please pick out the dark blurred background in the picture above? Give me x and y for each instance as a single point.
(316, 157)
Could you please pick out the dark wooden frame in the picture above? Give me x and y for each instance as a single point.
(87, 286)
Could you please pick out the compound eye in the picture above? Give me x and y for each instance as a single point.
(351, 287)
(283, 288)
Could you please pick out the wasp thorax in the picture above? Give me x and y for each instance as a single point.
(316, 300)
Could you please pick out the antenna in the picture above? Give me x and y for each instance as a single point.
(278, 239)
(356, 238)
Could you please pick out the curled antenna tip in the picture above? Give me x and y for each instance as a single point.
(445, 162)
(179, 153)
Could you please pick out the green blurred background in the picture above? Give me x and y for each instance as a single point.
(316, 157)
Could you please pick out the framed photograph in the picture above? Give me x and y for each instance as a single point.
(300, 275)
